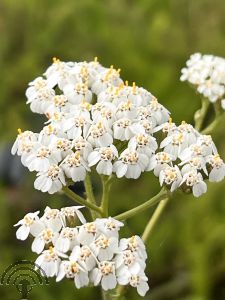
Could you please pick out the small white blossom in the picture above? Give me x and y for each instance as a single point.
(50, 181)
(103, 158)
(75, 167)
(72, 212)
(30, 224)
(72, 270)
(130, 164)
(49, 262)
(84, 256)
(104, 247)
(138, 281)
(66, 240)
(171, 176)
(217, 172)
(159, 161)
(194, 180)
(105, 274)
(44, 238)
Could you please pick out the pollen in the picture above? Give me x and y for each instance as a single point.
(19, 131)
(55, 60)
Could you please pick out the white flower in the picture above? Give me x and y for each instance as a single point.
(71, 212)
(71, 269)
(61, 147)
(104, 247)
(40, 102)
(49, 262)
(217, 172)
(50, 181)
(75, 167)
(130, 164)
(60, 73)
(135, 244)
(30, 224)
(52, 218)
(87, 233)
(143, 143)
(128, 261)
(75, 126)
(211, 90)
(206, 142)
(189, 133)
(126, 109)
(23, 140)
(104, 274)
(194, 150)
(99, 135)
(41, 159)
(108, 226)
(159, 161)
(170, 176)
(83, 146)
(59, 104)
(104, 112)
(122, 129)
(48, 134)
(76, 93)
(194, 180)
(44, 238)
(160, 113)
(198, 163)
(84, 256)
(36, 85)
(103, 158)
(174, 144)
(105, 79)
(167, 127)
(66, 240)
(206, 73)
(138, 281)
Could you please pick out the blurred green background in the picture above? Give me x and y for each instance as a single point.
(150, 40)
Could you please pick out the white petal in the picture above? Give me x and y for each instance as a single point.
(22, 232)
(142, 288)
(109, 282)
(38, 245)
(93, 158)
(104, 167)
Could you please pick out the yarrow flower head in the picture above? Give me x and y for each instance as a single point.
(89, 253)
(207, 74)
(96, 120)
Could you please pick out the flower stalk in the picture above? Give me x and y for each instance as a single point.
(200, 114)
(154, 219)
(162, 195)
(73, 196)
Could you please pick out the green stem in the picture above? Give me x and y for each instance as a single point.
(89, 190)
(210, 128)
(73, 196)
(152, 222)
(200, 114)
(106, 183)
(90, 193)
(106, 295)
(163, 194)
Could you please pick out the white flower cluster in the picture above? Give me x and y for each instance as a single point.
(186, 159)
(95, 120)
(207, 73)
(91, 253)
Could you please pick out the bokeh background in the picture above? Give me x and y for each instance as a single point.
(150, 40)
